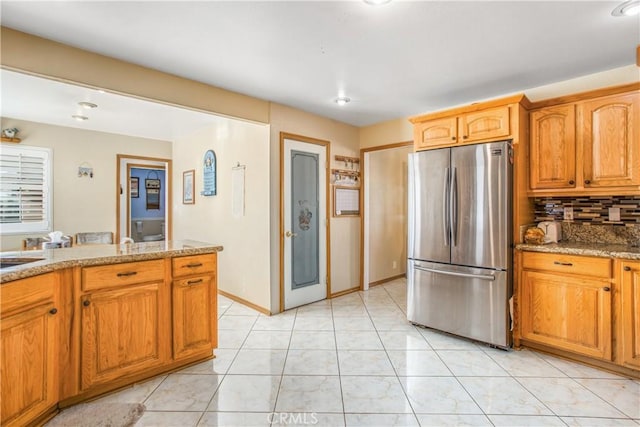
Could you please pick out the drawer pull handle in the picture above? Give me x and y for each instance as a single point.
(194, 265)
(86, 303)
(127, 274)
(53, 310)
(568, 264)
(193, 282)
(627, 268)
(606, 289)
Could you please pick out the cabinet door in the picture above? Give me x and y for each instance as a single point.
(568, 312)
(29, 364)
(194, 315)
(485, 125)
(123, 331)
(435, 133)
(628, 335)
(552, 160)
(611, 136)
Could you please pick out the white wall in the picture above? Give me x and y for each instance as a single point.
(345, 232)
(82, 204)
(243, 265)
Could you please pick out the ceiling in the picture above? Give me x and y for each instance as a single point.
(395, 60)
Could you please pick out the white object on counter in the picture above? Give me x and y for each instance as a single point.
(552, 231)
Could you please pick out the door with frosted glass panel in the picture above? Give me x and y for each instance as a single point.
(304, 228)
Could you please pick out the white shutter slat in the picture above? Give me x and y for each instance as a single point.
(25, 173)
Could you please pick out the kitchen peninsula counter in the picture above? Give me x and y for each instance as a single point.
(83, 321)
(585, 249)
(92, 255)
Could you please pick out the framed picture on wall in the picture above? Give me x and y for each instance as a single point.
(134, 185)
(188, 181)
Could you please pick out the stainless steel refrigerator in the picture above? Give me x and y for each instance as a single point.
(459, 242)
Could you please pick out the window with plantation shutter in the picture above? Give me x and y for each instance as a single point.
(25, 189)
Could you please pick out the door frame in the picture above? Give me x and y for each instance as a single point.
(123, 188)
(128, 198)
(327, 146)
(364, 204)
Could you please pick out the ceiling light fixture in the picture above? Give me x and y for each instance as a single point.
(87, 105)
(376, 2)
(342, 100)
(80, 118)
(628, 8)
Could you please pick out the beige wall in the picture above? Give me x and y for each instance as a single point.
(345, 232)
(244, 263)
(387, 212)
(35, 55)
(82, 204)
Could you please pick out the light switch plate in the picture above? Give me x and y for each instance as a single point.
(614, 214)
(568, 213)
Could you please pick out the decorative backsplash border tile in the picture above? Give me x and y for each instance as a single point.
(591, 222)
(593, 210)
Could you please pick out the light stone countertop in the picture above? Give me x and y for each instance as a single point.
(88, 255)
(587, 249)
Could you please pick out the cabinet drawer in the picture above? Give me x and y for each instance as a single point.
(195, 264)
(571, 264)
(115, 275)
(24, 293)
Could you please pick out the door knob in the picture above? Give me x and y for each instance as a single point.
(290, 234)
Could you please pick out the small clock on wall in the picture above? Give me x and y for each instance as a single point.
(209, 174)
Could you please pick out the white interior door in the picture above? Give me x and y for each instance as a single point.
(305, 222)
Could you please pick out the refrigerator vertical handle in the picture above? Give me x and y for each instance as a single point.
(453, 209)
(446, 209)
(411, 203)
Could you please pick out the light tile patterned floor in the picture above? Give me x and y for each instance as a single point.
(356, 361)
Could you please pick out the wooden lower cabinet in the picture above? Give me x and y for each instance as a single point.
(628, 313)
(194, 315)
(567, 310)
(124, 331)
(29, 349)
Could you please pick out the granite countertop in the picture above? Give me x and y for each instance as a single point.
(587, 249)
(88, 255)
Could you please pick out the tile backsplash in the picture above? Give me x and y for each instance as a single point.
(591, 222)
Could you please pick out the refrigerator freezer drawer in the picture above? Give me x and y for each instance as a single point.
(470, 302)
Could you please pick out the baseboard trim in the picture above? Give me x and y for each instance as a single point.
(388, 279)
(245, 302)
(345, 292)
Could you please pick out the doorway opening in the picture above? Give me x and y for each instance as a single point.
(383, 234)
(143, 199)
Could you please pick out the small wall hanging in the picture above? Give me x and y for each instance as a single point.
(85, 169)
(188, 181)
(134, 185)
(209, 174)
(152, 185)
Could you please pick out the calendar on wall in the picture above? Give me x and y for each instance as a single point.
(346, 201)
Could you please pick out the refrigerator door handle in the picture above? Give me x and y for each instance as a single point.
(453, 209)
(455, 273)
(446, 208)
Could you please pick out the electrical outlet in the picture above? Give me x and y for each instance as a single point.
(614, 214)
(568, 213)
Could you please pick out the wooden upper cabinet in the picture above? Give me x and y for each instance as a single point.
(435, 133)
(494, 120)
(628, 314)
(611, 141)
(484, 125)
(553, 148)
(587, 147)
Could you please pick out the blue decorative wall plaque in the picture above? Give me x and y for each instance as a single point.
(209, 174)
